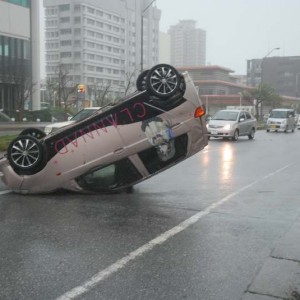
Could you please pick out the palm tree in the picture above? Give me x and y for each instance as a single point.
(264, 94)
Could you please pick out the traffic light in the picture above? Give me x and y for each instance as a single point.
(81, 88)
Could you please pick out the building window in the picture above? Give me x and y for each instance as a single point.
(65, 20)
(66, 31)
(65, 54)
(64, 7)
(77, 8)
(90, 10)
(66, 43)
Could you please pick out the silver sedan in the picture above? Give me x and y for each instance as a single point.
(232, 124)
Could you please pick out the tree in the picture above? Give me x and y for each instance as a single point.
(129, 82)
(62, 86)
(51, 87)
(66, 87)
(21, 77)
(101, 93)
(264, 94)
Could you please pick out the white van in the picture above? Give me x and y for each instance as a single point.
(281, 119)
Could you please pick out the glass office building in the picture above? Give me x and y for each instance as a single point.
(16, 64)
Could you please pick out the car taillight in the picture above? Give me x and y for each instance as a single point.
(199, 112)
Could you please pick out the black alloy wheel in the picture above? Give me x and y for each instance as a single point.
(25, 153)
(163, 81)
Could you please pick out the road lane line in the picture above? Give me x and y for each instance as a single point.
(121, 263)
(5, 192)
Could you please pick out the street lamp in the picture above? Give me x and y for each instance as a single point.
(262, 73)
(142, 32)
(277, 48)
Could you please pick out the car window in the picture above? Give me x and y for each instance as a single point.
(226, 115)
(83, 114)
(242, 116)
(159, 157)
(248, 116)
(280, 114)
(118, 174)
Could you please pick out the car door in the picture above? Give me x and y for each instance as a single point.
(242, 123)
(249, 121)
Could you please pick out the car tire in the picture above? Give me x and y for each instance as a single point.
(268, 130)
(25, 153)
(163, 81)
(35, 132)
(235, 135)
(251, 134)
(141, 81)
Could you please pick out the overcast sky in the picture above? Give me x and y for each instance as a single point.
(237, 30)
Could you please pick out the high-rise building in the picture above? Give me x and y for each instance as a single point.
(99, 41)
(188, 44)
(19, 55)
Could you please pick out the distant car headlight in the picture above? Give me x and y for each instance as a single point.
(227, 127)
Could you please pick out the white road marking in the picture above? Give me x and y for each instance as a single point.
(121, 263)
(5, 192)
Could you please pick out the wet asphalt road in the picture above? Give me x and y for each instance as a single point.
(236, 199)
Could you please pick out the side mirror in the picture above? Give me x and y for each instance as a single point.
(242, 119)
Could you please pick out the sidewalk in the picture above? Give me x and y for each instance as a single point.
(279, 276)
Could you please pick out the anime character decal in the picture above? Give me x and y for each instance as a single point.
(160, 135)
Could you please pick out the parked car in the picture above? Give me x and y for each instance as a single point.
(80, 115)
(232, 124)
(147, 132)
(281, 119)
(4, 118)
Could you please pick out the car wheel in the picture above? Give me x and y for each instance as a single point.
(235, 135)
(35, 132)
(268, 130)
(25, 153)
(251, 134)
(141, 81)
(293, 130)
(163, 81)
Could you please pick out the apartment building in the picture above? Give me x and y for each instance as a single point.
(188, 44)
(19, 54)
(100, 42)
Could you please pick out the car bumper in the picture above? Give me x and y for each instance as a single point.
(220, 132)
(276, 127)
